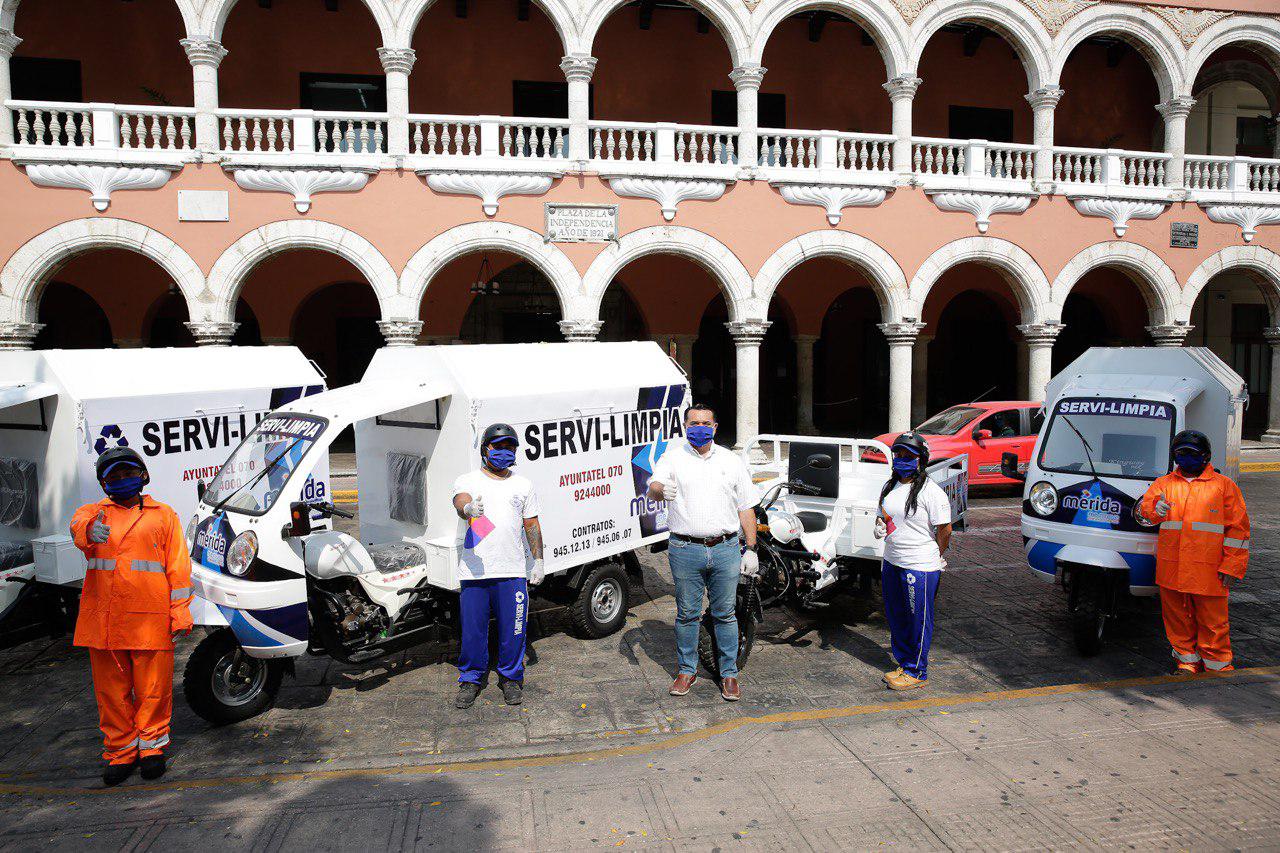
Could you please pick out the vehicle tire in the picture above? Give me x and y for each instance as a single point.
(1089, 619)
(709, 653)
(223, 685)
(602, 602)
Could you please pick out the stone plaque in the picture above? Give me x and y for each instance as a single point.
(203, 206)
(1184, 235)
(582, 223)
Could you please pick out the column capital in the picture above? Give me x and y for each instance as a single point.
(400, 332)
(18, 335)
(903, 87)
(1040, 334)
(1178, 107)
(211, 333)
(8, 43)
(900, 333)
(747, 333)
(581, 331)
(578, 67)
(748, 76)
(397, 59)
(1046, 97)
(1171, 335)
(202, 50)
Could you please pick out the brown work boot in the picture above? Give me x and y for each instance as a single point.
(683, 682)
(904, 681)
(730, 690)
(891, 674)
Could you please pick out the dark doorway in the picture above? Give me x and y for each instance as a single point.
(35, 78)
(72, 319)
(986, 123)
(771, 109)
(337, 328)
(169, 318)
(537, 99)
(851, 368)
(1251, 358)
(348, 93)
(520, 308)
(1084, 325)
(974, 355)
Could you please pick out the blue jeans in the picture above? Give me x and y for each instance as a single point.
(713, 572)
(908, 608)
(507, 600)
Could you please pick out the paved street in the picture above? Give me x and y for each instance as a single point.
(1018, 743)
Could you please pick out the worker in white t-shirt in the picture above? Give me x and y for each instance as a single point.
(496, 570)
(915, 523)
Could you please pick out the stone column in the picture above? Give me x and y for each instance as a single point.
(1272, 435)
(1039, 338)
(581, 331)
(920, 379)
(902, 92)
(747, 337)
(205, 55)
(8, 44)
(1043, 102)
(747, 79)
(211, 333)
(1170, 336)
(804, 384)
(1175, 112)
(15, 336)
(902, 338)
(397, 63)
(578, 68)
(400, 332)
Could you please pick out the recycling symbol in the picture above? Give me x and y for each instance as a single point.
(109, 437)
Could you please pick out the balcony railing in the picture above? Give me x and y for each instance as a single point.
(1110, 168)
(973, 161)
(103, 126)
(825, 149)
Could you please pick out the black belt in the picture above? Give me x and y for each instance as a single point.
(708, 541)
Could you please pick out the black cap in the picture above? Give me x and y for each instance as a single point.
(498, 432)
(1193, 439)
(915, 443)
(115, 456)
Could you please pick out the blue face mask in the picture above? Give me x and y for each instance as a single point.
(1191, 462)
(501, 458)
(128, 487)
(700, 436)
(905, 466)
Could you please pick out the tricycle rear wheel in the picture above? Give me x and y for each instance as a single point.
(602, 602)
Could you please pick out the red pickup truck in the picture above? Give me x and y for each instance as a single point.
(984, 431)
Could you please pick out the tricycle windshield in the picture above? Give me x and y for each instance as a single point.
(252, 480)
(949, 422)
(1125, 438)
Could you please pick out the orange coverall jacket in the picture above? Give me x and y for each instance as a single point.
(137, 590)
(1206, 531)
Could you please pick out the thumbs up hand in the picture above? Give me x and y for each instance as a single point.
(99, 530)
(475, 508)
(1162, 506)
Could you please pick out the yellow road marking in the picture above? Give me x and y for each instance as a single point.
(672, 742)
(1251, 467)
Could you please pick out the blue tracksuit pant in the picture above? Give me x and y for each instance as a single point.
(908, 608)
(507, 600)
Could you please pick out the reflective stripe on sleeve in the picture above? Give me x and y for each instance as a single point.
(163, 740)
(148, 566)
(101, 564)
(179, 594)
(1206, 527)
(1242, 544)
(1171, 525)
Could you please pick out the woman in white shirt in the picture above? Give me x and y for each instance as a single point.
(915, 523)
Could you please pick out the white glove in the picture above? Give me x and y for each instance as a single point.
(1162, 506)
(475, 509)
(99, 530)
(750, 564)
(538, 572)
(882, 529)
(669, 491)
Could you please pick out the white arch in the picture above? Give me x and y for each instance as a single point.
(24, 276)
(887, 278)
(9, 14)
(213, 17)
(1140, 28)
(1262, 34)
(561, 15)
(1029, 284)
(473, 237)
(703, 249)
(1155, 280)
(726, 15)
(240, 258)
(882, 23)
(1255, 74)
(1013, 21)
(1262, 265)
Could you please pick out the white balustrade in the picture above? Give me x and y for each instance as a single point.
(1201, 172)
(788, 149)
(939, 156)
(864, 152)
(1143, 169)
(60, 125)
(444, 136)
(1078, 165)
(535, 139)
(623, 142)
(1008, 161)
(706, 145)
(351, 133)
(148, 129)
(1264, 176)
(256, 131)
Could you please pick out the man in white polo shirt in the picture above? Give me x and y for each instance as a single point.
(710, 503)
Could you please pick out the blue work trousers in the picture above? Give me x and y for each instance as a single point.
(711, 572)
(507, 601)
(908, 608)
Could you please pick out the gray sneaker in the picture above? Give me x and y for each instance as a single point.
(512, 692)
(467, 693)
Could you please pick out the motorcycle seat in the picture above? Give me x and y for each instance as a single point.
(395, 556)
(812, 521)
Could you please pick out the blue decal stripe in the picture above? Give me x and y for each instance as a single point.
(1142, 569)
(1040, 557)
(246, 633)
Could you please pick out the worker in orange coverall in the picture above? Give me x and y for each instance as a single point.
(1202, 549)
(135, 602)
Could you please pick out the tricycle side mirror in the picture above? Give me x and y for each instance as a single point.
(820, 461)
(981, 434)
(1009, 467)
(299, 519)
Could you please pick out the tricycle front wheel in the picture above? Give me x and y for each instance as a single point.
(223, 685)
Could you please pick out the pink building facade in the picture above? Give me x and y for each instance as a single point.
(836, 216)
